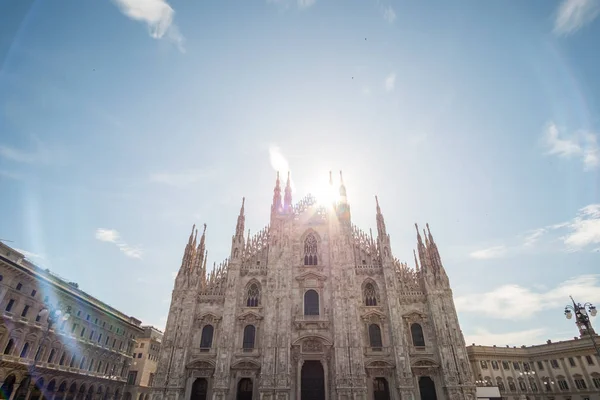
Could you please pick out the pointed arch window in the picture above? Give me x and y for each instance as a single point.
(375, 337)
(416, 332)
(207, 338)
(253, 296)
(311, 302)
(249, 337)
(370, 295)
(310, 250)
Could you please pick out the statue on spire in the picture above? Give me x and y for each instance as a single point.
(276, 207)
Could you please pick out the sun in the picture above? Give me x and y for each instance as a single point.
(325, 193)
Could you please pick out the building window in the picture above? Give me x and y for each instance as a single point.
(131, 377)
(150, 380)
(511, 386)
(62, 359)
(24, 350)
(19, 286)
(483, 364)
(96, 321)
(533, 385)
(82, 331)
(87, 318)
(562, 384)
(72, 363)
(9, 347)
(51, 356)
(589, 360)
(526, 366)
(311, 302)
(418, 338)
(554, 364)
(99, 338)
(505, 365)
(571, 362)
(522, 385)
(540, 365)
(73, 328)
(547, 385)
(310, 250)
(91, 365)
(10, 305)
(375, 337)
(249, 334)
(370, 295)
(99, 366)
(596, 380)
(38, 353)
(25, 310)
(82, 363)
(253, 296)
(91, 335)
(580, 383)
(516, 365)
(207, 337)
(33, 292)
(142, 345)
(494, 364)
(500, 384)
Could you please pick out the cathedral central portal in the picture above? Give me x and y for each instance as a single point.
(312, 308)
(312, 381)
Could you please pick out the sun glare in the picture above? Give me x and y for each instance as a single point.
(325, 193)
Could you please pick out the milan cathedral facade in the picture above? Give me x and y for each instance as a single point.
(313, 308)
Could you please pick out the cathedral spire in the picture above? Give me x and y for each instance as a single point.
(381, 231)
(189, 250)
(276, 196)
(239, 229)
(342, 188)
(416, 262)
(421, 250)
(287, 200)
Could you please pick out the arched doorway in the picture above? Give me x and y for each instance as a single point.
(36, 391)
(427, 388)
(381, 390)
(7, 387)
(312, 381)
(199, 389)
(244, 389)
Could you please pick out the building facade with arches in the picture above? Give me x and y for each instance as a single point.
(565, 370)
(85, 356)
(312, 308)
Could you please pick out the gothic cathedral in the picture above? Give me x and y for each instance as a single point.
(313, 308)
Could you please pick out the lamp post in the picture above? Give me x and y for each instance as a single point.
(582, 319)
(52, 315)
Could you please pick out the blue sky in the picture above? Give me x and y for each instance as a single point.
(123, 123)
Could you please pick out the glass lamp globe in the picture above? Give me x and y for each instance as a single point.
(593, 311)
(568, 314)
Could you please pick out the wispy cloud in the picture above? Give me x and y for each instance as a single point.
(581, 144)
(577, 234)
(584, 229)
(10, 175)
(506, 302)
(390, 82)
(287, 3)
(32, 256)
(113, 236)
(490, 252)
(158, 16)
(516, 338)
(572, 15)
(40, 153)
(182, 178)
(389, 14)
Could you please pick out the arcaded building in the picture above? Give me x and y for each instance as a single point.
(313, 308)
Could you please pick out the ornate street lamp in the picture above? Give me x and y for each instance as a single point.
(527, 373)
(582, 319)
